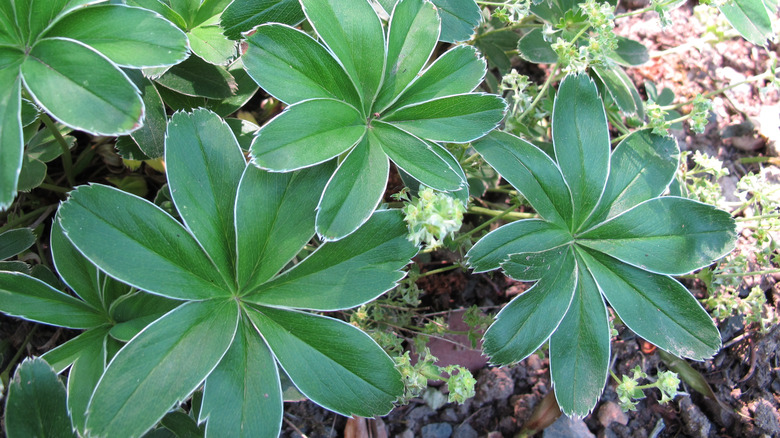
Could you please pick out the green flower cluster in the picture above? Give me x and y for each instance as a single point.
(432, 217)
(629, 390)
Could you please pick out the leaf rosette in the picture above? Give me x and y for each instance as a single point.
(243, 308)
(109, 312)
(605, 233)
(68, 55)
(364, 97)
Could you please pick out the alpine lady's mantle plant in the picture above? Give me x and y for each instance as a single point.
(240, 316)
(606, 233)
(363, 98)
(110, 313)
(67, 56)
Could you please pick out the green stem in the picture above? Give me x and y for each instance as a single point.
(750, 273)
(508, 215)
(67, 159)
(519, 25)
(439, 270)
(645, 9)
(486, 223)
(542, 92)
(54, 188)
(509, 192)
(24, 218)
(617, 123)
(620, 138)
(469, 160)
(756, 218)
(753, 160)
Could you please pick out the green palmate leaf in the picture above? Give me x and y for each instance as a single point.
(34, 300)
(458, 19)
(10, 33)
(354, 34)
(520, 329)
(531, 235)
(32, 175)
(151, 136)
(444, 154)
(12, 242)
(579, 349)
(166, 259)
(204, 168)
(139, 387)
(181, 425)
(656, 307)
(626, 237)
(292, 66)
(161, 7)
(319, 282)
(244, 130)
(495, 44)
(415, 157)
(131, 306)
(187, 9)
(211, 45)
(83, 378)
(196, 77)
(412, 36)
(307, 133)
(209, 9)
(536, 175)
(99, 99)
(12, 146)
(459, 70)
(629, 52)
(77, 272)
(353, 376)
(63, 356)
(457, 119)
(533, 48)
(242, 397)
(647, 164)
(667, 235)
(32, 17)
(341, 94)
(112, 292)
(621, 89)
(274, 220)
(129, 36)
(581, 142)
(354, 190)
(244, 15)
(750, 18)
(36, 403)
(245, 90)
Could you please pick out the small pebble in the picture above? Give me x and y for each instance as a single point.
(565, 427)
(437, 430)
(610, 412)
(465, 431)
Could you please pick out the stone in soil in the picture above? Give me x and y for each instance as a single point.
(766, 417)
(695, 423)
(610, 412)
(437, 430)
(465, 431)
(566, 427)
(493, 384)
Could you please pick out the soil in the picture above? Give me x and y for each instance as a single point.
(510, 402)
(517, 401)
